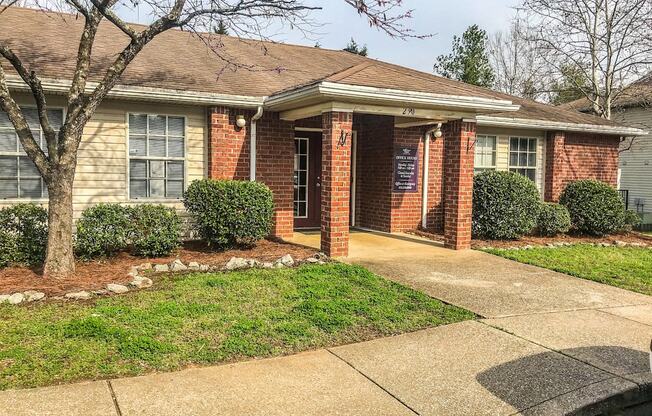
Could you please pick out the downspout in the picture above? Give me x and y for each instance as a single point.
(252, 143)
(426, 171)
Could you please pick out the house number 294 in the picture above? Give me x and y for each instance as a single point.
(409, 111)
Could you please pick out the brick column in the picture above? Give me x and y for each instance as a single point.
(555, 161)
(335, 183)
(228, 146)
(459, 138)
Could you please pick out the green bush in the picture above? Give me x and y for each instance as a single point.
(156, 230)
(595, 208)
(632, 220)
(23, 234)
(505, 205)
(553, 219)
(227, 213)
(102, 231)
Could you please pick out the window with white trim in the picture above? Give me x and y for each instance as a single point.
(523, 156)
(156, 156)
(19, 177)
(485, 153)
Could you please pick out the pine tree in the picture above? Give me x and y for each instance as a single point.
(353, 47)
(469, 60)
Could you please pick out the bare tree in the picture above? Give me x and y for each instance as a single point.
(609, 40)
(519, 69)
(58, 165)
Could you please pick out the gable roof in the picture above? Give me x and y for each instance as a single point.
(253, 70)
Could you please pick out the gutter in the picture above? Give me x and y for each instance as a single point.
(485, 120)
(252, 143)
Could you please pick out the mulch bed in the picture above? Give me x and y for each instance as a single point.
(632, 237)
(96, 275)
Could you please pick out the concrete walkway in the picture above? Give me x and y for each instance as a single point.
(546, 344)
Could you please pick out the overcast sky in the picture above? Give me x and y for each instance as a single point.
(441, 18)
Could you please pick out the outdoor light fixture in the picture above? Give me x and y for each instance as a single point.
(438, 132)
(240, 121)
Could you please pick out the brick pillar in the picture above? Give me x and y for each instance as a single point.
(459, 137)
(555, 161)
(335, 183)
(228, 146)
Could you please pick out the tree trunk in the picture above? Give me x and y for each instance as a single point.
(60, 259)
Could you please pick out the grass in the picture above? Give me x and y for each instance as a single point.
(206, 319)
(625, 267)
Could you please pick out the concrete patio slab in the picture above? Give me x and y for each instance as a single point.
(304, 384)
(82, 399)
(640, 313)
(487, 285)
(468, 369)
(611, 343)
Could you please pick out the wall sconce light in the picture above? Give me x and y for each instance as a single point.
(438, 133)
(240, 121)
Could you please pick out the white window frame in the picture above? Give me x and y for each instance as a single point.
(536, 156)
(494, 153)
(183, 159)
(17, 154)
(307, 170)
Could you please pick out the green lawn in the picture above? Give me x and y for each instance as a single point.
(208, 319)
(626, 267)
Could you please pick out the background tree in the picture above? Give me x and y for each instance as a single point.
(570, 85)
(608, 41)
(353, 47)
(518, 67)
(246, 18)
(469, 60)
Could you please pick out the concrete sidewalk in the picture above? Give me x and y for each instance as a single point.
(547, 344)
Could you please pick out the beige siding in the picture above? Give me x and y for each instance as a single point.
(636, 164)
(102, 159)
(502, 149)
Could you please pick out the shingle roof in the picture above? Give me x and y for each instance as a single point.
(638, 93)
(177, 60)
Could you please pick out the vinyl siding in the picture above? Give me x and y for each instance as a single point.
(101, 174)
(636, 164)
(502, 149)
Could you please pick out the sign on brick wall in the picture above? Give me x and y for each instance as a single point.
(406, 169)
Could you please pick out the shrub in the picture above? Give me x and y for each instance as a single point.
(156, 230)
(505, 205)
(553, 219)
(102, 231)
(227, 213)
(632, 220)
(595, 208)
(23, 234)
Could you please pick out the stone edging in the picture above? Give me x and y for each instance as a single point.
(138, 281)
(566, 244)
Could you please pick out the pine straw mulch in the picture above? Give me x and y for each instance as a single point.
(95, 275)
(632, 237)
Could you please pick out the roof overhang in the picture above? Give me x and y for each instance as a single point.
(487, 120)
(330, 91)
(135, 93)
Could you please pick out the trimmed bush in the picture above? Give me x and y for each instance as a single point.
(632, 220)
(595, 208)
(553, 219)
(102, 231)
(156, 230)
(505, 205)
(23, 234)
(228, 213)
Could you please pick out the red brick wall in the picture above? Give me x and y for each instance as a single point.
(335, 180)
(458, 183)
(228, 150)
(572, 156)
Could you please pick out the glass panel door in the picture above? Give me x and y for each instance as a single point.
(300, 177)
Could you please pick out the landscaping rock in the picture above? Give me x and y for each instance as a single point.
(178, 266)
(286, 260)
(16, 298)
(141, 282)
(4, 298)
(100, 292)
(145, 266)
(161, 268)
(33, 295)
(81, 295)
(193, 265)
(236, 263)
(267, 265)
(620, 244)
(312, 260)
(115, 288)
(204, 267)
